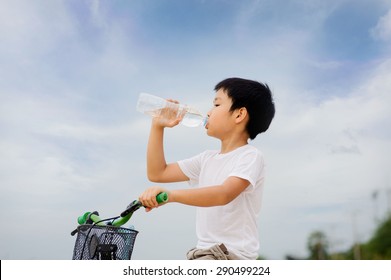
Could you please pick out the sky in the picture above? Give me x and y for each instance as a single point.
(72, 141)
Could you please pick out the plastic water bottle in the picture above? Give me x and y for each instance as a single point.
(159, 107)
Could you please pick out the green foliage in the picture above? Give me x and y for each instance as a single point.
(377, 248)
(317, 245)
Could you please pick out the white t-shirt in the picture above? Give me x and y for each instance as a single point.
(234, 224)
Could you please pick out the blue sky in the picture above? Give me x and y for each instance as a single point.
(71, 140)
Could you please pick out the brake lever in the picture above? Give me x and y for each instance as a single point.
(135, 205)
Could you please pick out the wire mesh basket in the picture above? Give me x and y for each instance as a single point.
(94, 242)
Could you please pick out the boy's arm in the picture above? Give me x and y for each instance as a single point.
(157, 168)
(201, 197)
(212, 195)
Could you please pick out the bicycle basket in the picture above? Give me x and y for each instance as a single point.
(104, 243)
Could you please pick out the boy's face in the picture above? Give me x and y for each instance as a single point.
(221, 119)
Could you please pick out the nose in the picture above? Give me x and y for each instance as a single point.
(209, 112)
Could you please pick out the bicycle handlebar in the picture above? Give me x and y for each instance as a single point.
(89, 218)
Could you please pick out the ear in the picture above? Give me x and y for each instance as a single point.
(240, 114)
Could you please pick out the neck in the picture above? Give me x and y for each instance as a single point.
(229, 145)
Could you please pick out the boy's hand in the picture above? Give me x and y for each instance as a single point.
(170, 116)
(148, 197)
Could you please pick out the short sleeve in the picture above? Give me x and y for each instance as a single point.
(249, 166)
(191, 167)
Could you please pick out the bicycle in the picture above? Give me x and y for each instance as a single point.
(106, 239)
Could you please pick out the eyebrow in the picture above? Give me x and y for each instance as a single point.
(216, 99)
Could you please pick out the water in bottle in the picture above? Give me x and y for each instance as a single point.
(159, 107)
(193, 118)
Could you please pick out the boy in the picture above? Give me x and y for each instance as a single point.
(227, 183)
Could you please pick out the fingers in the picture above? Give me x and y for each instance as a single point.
(173, 101)
(167, 123)
(148, 198)
(174, 122)
(171, 115)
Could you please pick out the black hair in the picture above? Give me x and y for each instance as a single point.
(256, 97)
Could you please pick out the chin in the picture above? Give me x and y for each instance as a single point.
(211, 134)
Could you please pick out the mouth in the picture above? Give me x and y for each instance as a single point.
(206, 124)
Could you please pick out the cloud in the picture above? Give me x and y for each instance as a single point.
(24, 28)
(382, 30)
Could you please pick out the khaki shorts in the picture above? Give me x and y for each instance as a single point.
(216, 252)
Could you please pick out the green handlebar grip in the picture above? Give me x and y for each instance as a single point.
(162, 197)
(88, 215)
(83, 219)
